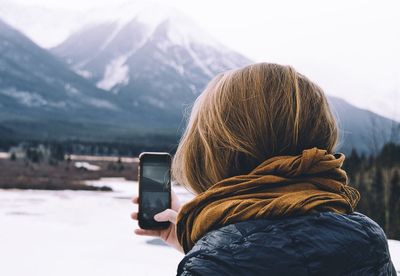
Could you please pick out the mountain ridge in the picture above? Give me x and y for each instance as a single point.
(162, 79)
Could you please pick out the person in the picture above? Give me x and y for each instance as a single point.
(271, 196)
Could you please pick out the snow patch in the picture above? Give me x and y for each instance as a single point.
(26, 98)
(193, 89)
(199, 62)
(176, 65)
(86, 166)
(116, 72)
(5, 155)
(30, 99)
(84, 73)
(71, 89)
(164, 45)
(114, 33)
(101, 103)
(155, 102)
(394, 248)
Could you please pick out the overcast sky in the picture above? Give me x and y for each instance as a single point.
(351, 48)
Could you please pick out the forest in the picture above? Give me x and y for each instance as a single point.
(377, 178)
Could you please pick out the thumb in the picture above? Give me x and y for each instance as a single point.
(166, 215)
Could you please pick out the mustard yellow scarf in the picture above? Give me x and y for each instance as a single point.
(281, 186)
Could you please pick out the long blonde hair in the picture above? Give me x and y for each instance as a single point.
(247, 115)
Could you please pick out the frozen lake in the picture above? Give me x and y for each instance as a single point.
(83, 233)
(78, 233)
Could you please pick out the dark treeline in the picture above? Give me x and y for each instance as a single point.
(377, 178)
(58, 149)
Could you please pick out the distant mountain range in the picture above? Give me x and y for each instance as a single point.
(362, 129)
(128, 75)
(150, 60)
(40, 97)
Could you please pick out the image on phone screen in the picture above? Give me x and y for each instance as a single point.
(155, 197)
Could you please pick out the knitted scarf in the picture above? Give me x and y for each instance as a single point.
(281, 186)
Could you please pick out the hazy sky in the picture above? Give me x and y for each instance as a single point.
(351, 48)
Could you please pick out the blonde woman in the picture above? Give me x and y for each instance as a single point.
(271, 197)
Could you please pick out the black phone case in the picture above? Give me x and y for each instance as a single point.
(152, 224)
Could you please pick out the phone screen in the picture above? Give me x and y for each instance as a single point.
(155, 192)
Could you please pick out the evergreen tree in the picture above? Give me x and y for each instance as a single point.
(394, 206)
(363, 205)
(389, 155)
(353, 163)
(34, 155)
(13, 157)
(57, 152)
(377, 203)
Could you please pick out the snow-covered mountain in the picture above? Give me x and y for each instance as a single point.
(152, 57)
(156, 60)
(38, 92)
(34, 78)
(136, 69)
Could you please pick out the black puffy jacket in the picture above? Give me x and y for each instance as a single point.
(316, 244)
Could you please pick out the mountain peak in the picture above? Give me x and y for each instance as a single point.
(139, 40)
(181, 28)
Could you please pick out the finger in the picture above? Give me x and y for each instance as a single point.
(135, 199)
(144, 232)
(134, 216)
(166, 215)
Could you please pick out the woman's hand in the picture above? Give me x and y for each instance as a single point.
(167, 235)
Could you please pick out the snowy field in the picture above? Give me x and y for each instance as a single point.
(78, 233)
(50, 233)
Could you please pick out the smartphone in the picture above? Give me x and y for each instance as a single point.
(154, 188)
